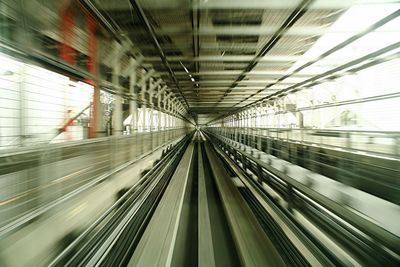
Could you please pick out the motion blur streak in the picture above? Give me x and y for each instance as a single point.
(199, 133)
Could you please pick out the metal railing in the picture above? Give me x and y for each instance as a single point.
(369, 161)
(374, 142)
(33, 177)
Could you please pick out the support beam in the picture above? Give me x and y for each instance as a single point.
(263, 30)
(145, 78)
(236, 72)
(267, 58)
(117, 51)
(142, 16)
(67, 52)
(271, 4)
(117, 122)
(133, 107)
(144, 106)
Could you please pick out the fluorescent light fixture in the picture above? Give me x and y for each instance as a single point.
(183, 66)
(193, 80)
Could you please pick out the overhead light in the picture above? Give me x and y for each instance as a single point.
(183, 66)
(193, 80)
(223, 53)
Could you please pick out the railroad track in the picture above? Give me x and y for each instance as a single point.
(199, 206)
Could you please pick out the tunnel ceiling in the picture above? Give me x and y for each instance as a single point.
(232, 49)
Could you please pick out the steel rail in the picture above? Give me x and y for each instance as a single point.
(386, 238)
(93, 250)
(150, 251)
(253, 246)
(347, 236)
(205, 249)
(308, 248)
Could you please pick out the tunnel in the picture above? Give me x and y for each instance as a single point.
(206, 133)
